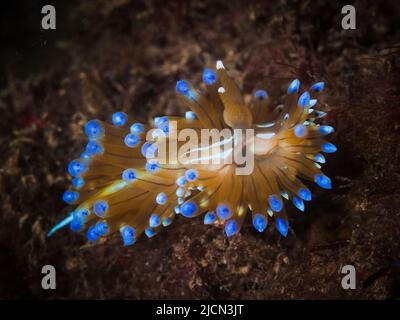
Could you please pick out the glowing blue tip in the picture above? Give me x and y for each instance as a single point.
(209, 218)
(323, 181)
(70, 196)
(149, 232)
(231, 228)
(129, 175)
(304, 100)
(152, 166)
(161, 121)
(77, 225)
(326, 129)
(148, 150)
(180, 192)
(181, 181)
(319, 86)
(260, 222)
(189, 209)
(305, 194)
(161, 198)
(93, 148)
(100, 208)
(182, 87)
(282, 226)
(154, 220)
(76, 168)
(85, 155)
(101, 228)
(261, 94)
(78, 182)
(191, 175)
(119, 118)
(177, 209)
(294, 86)
(137, 128)
(132, 140)
(209, 77)
(298, 203)
(275, 203)
(300, 130)
(166, 222)
(224, 212)
(94, 130)
(328, 147)
(128, 235)
(92, 234)
(319, 158)
(190, 115)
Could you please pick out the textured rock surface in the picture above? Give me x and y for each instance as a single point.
(118, 55)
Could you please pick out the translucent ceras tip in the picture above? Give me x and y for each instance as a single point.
(182, 87)
(129, 175)
(299, 203)
(323, 181)
(191, 175)
(224, 212)
(101, 228)
(326, 129)
(294, 86)
(77, 167)
(150, 232)
(261, 94)
(319, 158)
(132, 140)
(161, 198)
(328, 147)
(119, 119)
(282, 226)
(313, 102)
(318, 87)
(92, 234)
(189, 209)
(128, 235)
(209, 77)
(180, 192)
(260, 222)
(231, 228)
(190, 115)
(209, 218)
(305, 194)
(219, 65)
(304, 100)
(94, 130)
(275, 203)
(70, 196)
(100, 208)
(137, 128)
(300, 130)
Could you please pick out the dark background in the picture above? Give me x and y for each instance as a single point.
(126, 55)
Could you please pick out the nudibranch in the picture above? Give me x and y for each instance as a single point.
(120, 183)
